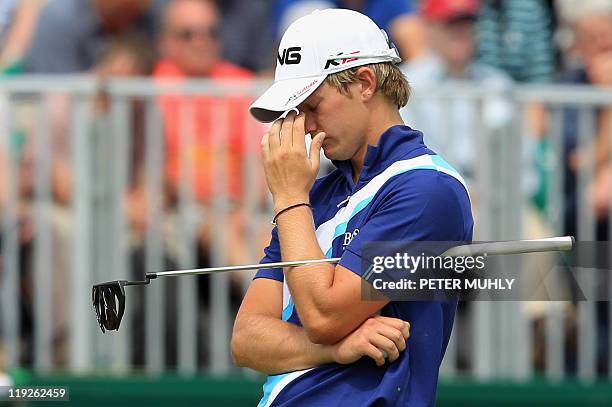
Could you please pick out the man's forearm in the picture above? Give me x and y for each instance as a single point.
(310, 285)
(270, 345)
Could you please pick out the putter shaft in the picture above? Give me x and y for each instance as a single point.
(562, 243)
(109, 298)
(245, 267)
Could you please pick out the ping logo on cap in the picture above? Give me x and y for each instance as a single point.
(290, 56)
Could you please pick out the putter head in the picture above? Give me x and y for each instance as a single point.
(109, 303)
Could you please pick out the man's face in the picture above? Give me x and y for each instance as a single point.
(190, 36)
(594, 37)
(454, 41)
(342, 118)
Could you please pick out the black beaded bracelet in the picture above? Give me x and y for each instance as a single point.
(288, 208)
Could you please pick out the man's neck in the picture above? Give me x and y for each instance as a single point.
(383, 121)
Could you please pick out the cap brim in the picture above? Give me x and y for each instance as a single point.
(282, 96)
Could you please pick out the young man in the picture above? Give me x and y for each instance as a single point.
(308, 326)
(592, 24)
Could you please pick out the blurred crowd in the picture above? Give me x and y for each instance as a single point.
(493, 43)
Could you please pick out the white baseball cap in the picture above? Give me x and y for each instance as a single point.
(314, 46)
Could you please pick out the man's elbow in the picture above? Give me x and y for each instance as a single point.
(239, 349)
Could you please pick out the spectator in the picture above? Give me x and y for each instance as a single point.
(77, 36)
(71, 34)
(451, 29)
(592, 23)
(397, 17)
(246, 33)
(17, 22)
(129, 56)
(124, 56)
(190, 48)
(592, 26)
(450, 124)
(516, 37)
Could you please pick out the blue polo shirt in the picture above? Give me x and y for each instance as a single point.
(405, 192)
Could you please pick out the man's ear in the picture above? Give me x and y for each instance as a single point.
(367, 81)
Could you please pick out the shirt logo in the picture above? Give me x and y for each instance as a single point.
(348, 237)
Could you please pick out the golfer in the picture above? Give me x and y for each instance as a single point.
(307, 327)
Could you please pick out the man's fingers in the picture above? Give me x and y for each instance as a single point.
(394, 335)
(375, 353)
(265, 146)
(401, 325)
(299, 133)
(406, 329)
(286, 138)
(274, 137)
(385, 344)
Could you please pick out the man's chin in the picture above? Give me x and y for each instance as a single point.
(329, 153)
(333, 151)
(334, 155)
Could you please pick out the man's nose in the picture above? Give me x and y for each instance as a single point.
(310, 124)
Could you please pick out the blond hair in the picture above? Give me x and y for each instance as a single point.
(391, 82)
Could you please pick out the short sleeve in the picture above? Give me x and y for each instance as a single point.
(272, 254)
(421, 205)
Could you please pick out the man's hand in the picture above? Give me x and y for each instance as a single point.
(290, 171)
(375, 335)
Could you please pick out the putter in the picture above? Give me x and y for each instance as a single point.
(109, 298)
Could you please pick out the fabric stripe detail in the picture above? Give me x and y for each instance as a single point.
(288, 310)
(336, 226)
(273, 386)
